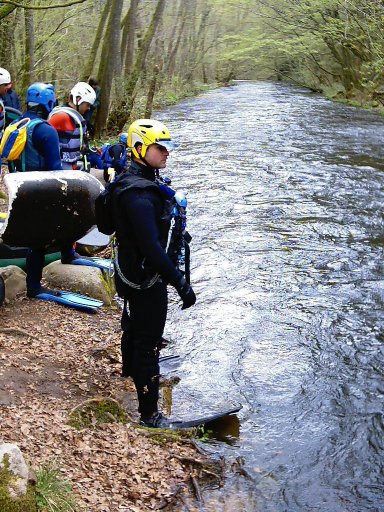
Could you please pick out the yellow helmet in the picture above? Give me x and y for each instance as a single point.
(147, 132)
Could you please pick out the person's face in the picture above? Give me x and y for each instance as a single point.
(84, 107)
(4, 88)
(156, 156)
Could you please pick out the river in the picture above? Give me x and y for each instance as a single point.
(285, 192)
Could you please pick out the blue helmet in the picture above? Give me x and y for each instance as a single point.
(41, 94)
(123, 138)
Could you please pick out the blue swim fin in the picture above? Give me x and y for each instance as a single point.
(73, 300)
(101, 263)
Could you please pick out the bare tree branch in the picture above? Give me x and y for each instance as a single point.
(26, 6)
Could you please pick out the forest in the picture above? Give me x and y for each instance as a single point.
(149, 53)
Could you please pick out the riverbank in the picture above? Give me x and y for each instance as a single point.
(53, 360)
(358, 99)
(372, 100)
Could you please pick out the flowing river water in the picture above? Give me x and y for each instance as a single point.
(285, 193)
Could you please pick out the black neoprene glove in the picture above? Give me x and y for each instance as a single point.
(186, 293)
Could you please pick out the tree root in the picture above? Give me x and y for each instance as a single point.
(202, 464)
(196, 486)
(177, 495)
(17, 331)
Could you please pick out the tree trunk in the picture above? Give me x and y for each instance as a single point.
(198, 47)
(108, 63)
(29, 57)
(182, 15)
(151, 92)
(120, 114)
(96, 43)
(128, 39)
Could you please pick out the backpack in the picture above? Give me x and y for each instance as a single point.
(103, 211)
(15, 138)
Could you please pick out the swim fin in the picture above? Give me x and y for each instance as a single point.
(168, 358)
(102, 263)
(195, 422)
(73, 300)
(169, 364)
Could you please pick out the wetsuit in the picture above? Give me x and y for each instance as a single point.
(41, 147)
(142, 219)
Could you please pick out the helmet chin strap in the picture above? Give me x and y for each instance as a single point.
(146, 163)
(142, 159)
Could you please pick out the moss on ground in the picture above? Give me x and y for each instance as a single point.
(96, 411)
(108, 283)
(25, 503)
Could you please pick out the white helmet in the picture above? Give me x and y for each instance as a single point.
(84, 92)
(5, 77)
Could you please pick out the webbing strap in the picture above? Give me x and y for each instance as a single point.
(144, 286)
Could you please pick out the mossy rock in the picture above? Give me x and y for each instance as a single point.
(8, 503)
(96, 411)
(109, 285)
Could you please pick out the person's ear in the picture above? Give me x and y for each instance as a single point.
(139, 147)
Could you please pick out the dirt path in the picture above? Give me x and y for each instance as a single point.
(53, 358)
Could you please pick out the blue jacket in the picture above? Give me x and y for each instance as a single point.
(11, 99)
(115, 156)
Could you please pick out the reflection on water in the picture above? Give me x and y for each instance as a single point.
(285, 197)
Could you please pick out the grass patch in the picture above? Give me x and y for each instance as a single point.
(53, 494)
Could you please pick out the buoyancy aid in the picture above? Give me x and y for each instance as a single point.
(71, 142)
(131, 263)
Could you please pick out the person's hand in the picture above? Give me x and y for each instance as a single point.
(186, 293)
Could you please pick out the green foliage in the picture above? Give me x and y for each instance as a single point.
(204, 434)
(54, 494)
(316, 43)
(174, 90)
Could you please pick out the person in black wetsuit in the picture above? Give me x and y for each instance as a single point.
(142, 215)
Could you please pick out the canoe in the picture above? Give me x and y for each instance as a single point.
(16, 256)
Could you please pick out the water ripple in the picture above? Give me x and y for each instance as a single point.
(285, 194)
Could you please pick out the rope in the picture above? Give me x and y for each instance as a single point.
(144, 286)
